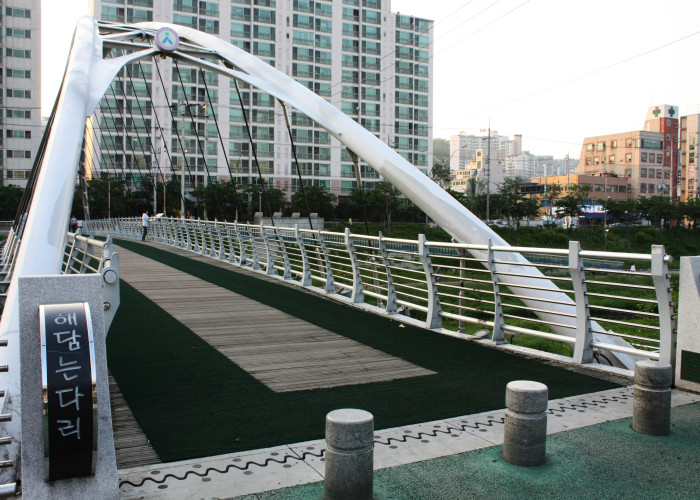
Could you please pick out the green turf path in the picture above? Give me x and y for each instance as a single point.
(192, 401)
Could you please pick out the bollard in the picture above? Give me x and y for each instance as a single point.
(349, 455)
(651, 413)
(525, 438)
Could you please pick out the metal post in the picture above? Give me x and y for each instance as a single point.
(667, 332)
(583, 353)
(433, 318)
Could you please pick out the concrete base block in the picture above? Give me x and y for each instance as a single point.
(34, 291)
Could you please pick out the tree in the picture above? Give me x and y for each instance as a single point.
(552, 192)
(510, 199)
(441, 150)
(10, 198)
(691, 211)
(383, 198)
(321, 201)
(440, 174)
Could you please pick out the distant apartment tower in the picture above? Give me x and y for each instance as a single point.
(688, 184)
(20, 78)
(647, 158)
(370, 63)
(463, 148)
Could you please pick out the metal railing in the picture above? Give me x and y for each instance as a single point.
(602, 304)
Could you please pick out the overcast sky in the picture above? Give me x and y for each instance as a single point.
(555, 71)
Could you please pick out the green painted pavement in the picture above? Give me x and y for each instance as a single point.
(607, 460)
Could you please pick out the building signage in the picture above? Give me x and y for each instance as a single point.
(69, 390)
(167, 39)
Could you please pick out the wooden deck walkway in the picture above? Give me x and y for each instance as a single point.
(281, 351)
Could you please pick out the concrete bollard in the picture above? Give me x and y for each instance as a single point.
(651, 413)
(525, 438)
(349, 455)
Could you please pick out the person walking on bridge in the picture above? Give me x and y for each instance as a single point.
(144, 223)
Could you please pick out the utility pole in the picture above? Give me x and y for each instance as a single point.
(488, 176)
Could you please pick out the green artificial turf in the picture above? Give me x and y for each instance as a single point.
(192, 401)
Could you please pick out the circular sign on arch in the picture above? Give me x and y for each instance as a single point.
(167, 39)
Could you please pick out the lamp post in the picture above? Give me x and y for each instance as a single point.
(488, 174)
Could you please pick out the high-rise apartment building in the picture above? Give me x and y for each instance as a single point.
(370, 63)
(20, 77)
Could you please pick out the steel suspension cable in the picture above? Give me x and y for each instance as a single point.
(255, 154)
(221, 141)
(162, 135)
(296, 163)
(177, 132)
(196, 133)
(148, 133)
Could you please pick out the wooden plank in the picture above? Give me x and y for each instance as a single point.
(281, 351)
(132, 446)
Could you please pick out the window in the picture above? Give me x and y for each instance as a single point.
(19, 154)
(25, 54)
(667, 174)
(644, 157)
(642, 188)
(651, 173)
(629, 143)
(613, 144)
(659, 174)
(19, 134)
(659, 158)
(15, 12)
(600, 146)
(628, 172)
(651, 188)
(21, 93)
(628, 157)
(611, 159)
(19, 113)
(18, 33)
(19, 73)
(642, 172)
(589, 147)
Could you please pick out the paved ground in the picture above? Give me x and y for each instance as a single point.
(607, 460)
(591, 452)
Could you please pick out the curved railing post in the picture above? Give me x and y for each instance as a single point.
(270, 271)
(667, 332)
(330, 281)
(433, 319)
(497, 336)
(583, 352)
(357, 295)
(305, 268)
(390, 290)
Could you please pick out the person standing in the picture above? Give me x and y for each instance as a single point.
(144, 223)
(79, 229)
(73, 224)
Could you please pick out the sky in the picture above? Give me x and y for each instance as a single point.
(555, 71)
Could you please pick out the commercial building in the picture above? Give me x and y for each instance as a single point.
(372, 64)
(647, 159)
(688, 185)
(20, 77)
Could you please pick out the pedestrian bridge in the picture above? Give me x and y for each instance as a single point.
(280, 325)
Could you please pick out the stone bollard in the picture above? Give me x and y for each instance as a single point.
(651, 413)
(525, 438)
(349, 455)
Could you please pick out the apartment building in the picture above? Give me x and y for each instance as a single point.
(372, 64)
(20, 77)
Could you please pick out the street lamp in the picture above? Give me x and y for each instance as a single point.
(488, 174)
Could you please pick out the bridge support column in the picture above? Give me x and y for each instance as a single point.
(651, 413)
(349, 469)
(525, 438)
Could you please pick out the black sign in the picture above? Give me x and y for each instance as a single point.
(69, 390)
